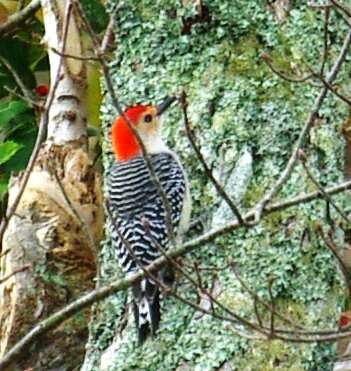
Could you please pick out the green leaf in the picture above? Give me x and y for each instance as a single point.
(96, 14)
(8, 150)
(5, 80)
(16, 54)
(26, 139)
(10, 110)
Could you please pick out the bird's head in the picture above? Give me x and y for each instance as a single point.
(146, 121)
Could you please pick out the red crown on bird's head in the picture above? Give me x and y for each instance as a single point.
(124, 143)
(134, 113)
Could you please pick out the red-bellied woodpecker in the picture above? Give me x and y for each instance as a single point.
(139, 228)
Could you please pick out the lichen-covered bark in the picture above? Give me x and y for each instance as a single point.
(235, 104)
(344, 345)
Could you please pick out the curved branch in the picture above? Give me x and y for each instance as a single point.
(285, 174)
(103, 292)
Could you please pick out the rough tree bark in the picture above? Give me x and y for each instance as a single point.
(344, 345)
(49, 246)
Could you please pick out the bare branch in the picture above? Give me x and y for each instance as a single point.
(319, 6)
(245, 335)
(305, 130)
(25, 267)
(331, 88)
(321, 189)
(16, 20)
(207, 170)
(82, 224)
(342, 7)
(115, 101)
(5, 252)
(109, 33)
(77, 57)
(257, 313)
(264, 207)
(267, 59)
(325, 39)
(31, 102)
(41, 132)
(28, 96)
(272, 307)
(103, 292)
(258, 300)
(333, 248)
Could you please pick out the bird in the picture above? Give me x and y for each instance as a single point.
(138, 215)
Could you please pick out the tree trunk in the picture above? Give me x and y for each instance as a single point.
(344, 345)
(49, 246)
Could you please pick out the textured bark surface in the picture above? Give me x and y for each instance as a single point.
(344, 345)
(280, 8)
(49, 247)
(46, 235)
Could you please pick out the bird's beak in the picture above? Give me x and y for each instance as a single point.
(165, 104)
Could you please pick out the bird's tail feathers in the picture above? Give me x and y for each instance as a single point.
(146, 303)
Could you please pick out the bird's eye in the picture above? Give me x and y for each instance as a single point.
(147, 118)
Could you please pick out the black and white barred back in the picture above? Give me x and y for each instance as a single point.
(139, 222)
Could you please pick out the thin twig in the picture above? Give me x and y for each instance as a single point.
(77, 57)
(22, 269)
(172, 261)
(283, 204)
(82, 224)
(305, 130)
(334, 250)
(319, 6)
(16, 20)
(325, 39)
(109, 33)
(267, 59)
(272, 308)
(5, 252)
(257, 313)
(41, 132)
(207, 170)
(257, 300)
(213, 300)
(104, 291)
(325, 194)
(31, 102)
(28, 96)
(342, 7)
(148, 273)
(331, 88)
(198, 275)
(110, 87)
(245, 335)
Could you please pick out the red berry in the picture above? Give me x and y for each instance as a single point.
(344, 319)
(42, 90)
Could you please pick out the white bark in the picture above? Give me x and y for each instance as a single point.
(67, 117)
(55, 238)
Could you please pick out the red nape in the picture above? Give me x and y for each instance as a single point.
(124, 143)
